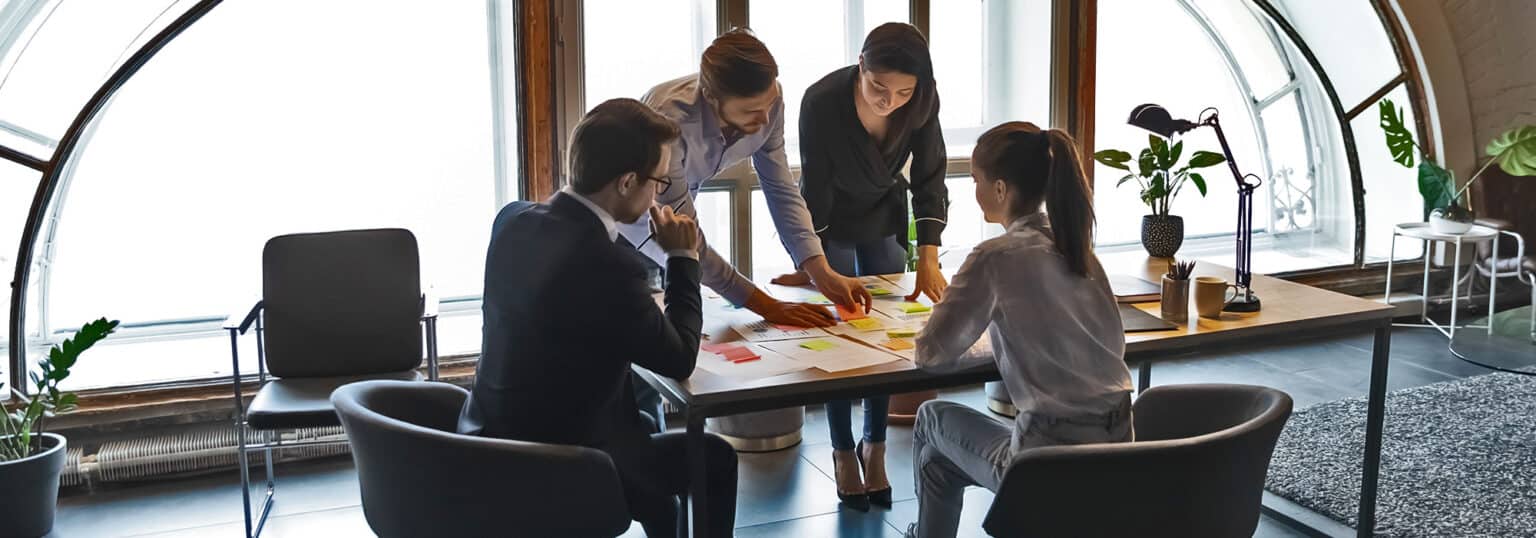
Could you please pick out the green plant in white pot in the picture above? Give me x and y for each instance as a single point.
(1161, 179)
(1445, 204)
(30, 457)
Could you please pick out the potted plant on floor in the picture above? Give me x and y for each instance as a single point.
(30, 457)
(1161, 179)
(1445, 205)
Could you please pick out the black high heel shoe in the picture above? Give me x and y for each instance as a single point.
(878, 497)
(856, 501)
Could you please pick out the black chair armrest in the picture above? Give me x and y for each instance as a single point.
(241, 320)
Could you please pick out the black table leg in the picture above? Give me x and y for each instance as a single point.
(697, 491)
(1144, 374)
(1375, 414)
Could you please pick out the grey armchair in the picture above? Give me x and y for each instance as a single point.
(1196, 468)
(418, 478)
(336, 307)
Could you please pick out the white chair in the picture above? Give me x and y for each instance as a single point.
(1518, 267)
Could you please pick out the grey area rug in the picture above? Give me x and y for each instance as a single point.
(1458, 459)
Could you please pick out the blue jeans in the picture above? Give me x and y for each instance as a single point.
(880, 257)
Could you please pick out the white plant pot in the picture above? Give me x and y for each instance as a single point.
(1448, 227)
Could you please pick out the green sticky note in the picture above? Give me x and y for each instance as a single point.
(914, 308)
(818, 345)
(819, 299)
(877, 291)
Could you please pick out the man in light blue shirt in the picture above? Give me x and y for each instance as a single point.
(731, 110)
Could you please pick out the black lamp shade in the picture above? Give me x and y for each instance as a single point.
(1156, 119)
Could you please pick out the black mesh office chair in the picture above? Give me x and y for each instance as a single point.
(419, 478)
(1196, 468)
(336, 307)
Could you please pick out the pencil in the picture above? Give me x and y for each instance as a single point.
(678, 207)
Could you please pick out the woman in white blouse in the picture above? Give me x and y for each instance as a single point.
(1041, 296)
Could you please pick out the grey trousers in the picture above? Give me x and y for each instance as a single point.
(955, 446)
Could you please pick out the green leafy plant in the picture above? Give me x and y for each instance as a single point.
(1158, 172)
(22, 426)
(1514, 151)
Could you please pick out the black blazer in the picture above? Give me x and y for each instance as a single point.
(852, 186)
(566, 312)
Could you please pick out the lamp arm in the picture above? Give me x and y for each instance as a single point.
(1244, 269)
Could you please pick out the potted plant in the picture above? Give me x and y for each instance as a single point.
(1161, 179)
(1445, 205)
(30, 457)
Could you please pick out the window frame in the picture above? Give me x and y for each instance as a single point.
(1071, 96)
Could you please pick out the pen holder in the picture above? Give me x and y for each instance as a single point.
(1175, 300)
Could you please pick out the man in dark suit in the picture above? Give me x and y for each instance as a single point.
(567, 311)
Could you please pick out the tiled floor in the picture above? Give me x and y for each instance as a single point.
(785, 493)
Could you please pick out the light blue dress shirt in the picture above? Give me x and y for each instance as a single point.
(702, 153)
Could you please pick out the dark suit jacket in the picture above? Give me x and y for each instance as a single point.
(566, 313)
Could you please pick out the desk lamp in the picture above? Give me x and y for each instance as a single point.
(1156, 119)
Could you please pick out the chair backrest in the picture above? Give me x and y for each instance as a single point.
(1196, 469)
(341, 303)
(418, 478)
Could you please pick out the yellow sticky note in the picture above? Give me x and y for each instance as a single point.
(819, 299)
(897, 344)
(914, 308)
(865, 324)
(901, 333)
(818, 345)
(876, 291)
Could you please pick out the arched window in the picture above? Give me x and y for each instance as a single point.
(1191, 54)
(257, 122)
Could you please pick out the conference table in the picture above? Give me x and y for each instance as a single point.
(1290, 312)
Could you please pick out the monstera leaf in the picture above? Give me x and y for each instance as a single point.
(1515, 151)
(1435, 186)
(1399, 138)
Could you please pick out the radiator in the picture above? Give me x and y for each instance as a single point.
(200, 450)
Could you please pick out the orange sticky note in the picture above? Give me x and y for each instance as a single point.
(898, 344)
(849, 315)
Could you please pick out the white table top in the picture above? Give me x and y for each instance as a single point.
(1421, 230)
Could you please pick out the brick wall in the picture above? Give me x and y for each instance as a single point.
(1496, 43)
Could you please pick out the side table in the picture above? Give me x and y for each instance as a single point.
(1421, 231)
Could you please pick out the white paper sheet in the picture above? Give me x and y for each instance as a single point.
(842, 355)
(770, 364)
(762, 331)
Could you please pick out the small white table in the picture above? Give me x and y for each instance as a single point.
(1421, 231)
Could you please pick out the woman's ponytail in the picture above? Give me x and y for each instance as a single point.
(1069, 202)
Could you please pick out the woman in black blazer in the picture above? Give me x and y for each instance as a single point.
(858, 127)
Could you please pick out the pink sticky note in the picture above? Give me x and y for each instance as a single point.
(716, 348)
(737, 352)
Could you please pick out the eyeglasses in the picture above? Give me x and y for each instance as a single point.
(662, 184)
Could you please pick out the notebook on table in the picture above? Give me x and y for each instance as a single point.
(1135, 320)
(1129, 289)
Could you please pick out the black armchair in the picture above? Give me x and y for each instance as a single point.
(419, 478)
(337, 307)
(1196, 468)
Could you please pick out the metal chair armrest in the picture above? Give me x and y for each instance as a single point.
(241, 320)
(1519, 243)
(429, 304)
